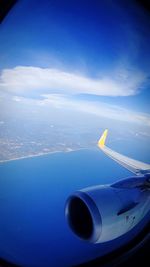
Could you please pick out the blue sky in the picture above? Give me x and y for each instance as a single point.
(78, 53)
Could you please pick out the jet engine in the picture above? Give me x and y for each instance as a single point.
(103, 213)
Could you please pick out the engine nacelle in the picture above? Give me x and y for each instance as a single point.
(103, 213)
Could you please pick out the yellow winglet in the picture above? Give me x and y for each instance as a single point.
(101, 141)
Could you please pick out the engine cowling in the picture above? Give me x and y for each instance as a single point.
(103, 213)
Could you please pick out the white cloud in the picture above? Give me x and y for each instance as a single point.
(46, 81)
(17, 98)
(27, 80)
(99, 109)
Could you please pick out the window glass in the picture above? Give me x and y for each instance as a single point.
(68, 71)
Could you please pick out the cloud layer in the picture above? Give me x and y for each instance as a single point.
(27, 80)
(99, 109)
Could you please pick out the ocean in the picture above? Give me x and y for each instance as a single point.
(33, 193)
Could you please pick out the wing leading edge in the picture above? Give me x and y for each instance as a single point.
(132, 165)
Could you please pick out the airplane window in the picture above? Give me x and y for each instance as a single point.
(74, 131)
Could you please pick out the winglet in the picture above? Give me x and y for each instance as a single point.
(102, 139)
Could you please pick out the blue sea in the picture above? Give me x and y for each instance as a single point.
(33, 192)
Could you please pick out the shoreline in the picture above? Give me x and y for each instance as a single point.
(41, 154)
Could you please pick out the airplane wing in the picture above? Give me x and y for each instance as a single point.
(132, 165)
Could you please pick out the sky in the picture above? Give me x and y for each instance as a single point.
(91, 56)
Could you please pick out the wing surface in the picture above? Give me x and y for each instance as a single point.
(132, 165)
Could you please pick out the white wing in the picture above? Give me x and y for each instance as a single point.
(132, 165)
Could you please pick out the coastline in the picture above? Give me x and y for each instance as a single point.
(40, 154)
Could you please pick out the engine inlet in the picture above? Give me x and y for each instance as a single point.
(83, 217)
